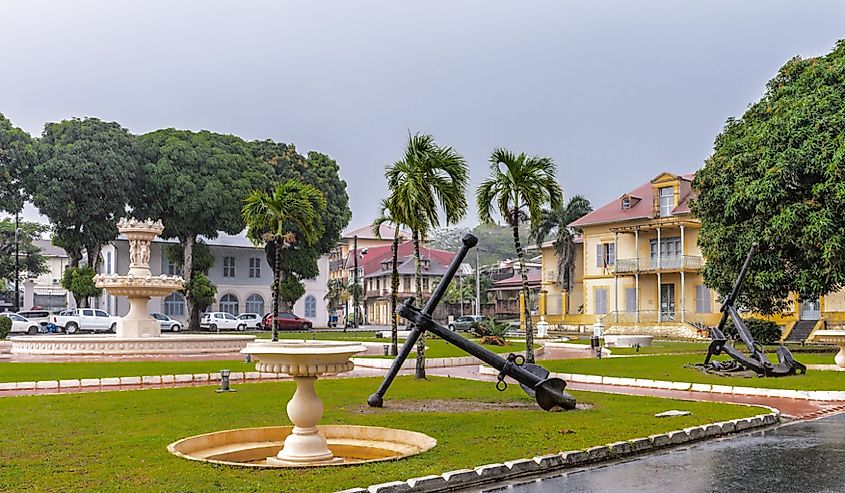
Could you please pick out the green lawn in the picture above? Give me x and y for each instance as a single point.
(696, 347)
(25, 372)
(671, 367)
(109, 441)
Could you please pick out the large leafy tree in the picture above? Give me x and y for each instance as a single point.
(196, 182)
(32, 263)
(323, 173)
(82, 181)
(388, 216)
(427, 179)
(17, 156)
(518, 188)
(556, 222)
(286, 218)
(777, 177)
(79, 281)
(203, 291)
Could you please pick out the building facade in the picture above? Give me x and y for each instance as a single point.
(241, 273)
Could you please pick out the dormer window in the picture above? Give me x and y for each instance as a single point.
(667, 201)
(626, 203)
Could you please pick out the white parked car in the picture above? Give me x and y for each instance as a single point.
(221, 321)
(21, 324)
(167, 323)
(253, 320)
(40, 317)
(72, 321)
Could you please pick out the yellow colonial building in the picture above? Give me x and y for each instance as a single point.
(638, 270)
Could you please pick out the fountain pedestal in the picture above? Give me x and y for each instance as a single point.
(304, 361)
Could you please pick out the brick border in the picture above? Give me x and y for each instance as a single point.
(545, 464)
(409, 364)
(151, 380)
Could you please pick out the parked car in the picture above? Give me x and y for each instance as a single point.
(40, 317)
(251, 319)
(465, 323)
(221, 320)
(286, 321)
(21, 324)
(72, 321)
(167, 323)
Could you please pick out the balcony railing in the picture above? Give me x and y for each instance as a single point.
(673, 263)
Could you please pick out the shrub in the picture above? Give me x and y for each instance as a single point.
(494, 332)
(763, 331)
(5, 327)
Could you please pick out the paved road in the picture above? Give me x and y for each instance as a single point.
(805, 457)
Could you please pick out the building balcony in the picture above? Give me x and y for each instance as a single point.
(336, 265)
(674, 263)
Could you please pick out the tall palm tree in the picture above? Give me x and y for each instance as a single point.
(290, 214)
(556, 221)
(519, 186)
(427, 178)
(388, 216)
(334, 288)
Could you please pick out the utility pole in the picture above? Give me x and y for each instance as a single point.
(355, 283)
(477, 285)
(461, 291)
(17, 265)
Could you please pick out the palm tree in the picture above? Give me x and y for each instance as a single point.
(387, 216)
(333, 299)
(519, 186)
(428, 178)
(291, 213)
(557, 220)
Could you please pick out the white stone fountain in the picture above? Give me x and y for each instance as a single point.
(305, 444)
(137, 332)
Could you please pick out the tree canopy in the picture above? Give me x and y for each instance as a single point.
(32, 262)
(17, 156)
(82, 180)
(777, 177)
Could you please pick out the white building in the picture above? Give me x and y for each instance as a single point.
(240, 272)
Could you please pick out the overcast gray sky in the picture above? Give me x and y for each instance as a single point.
(614, 91)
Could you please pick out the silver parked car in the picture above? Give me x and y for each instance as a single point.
(167, 323)
(465, 323)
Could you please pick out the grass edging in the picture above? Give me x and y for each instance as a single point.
(410, 363)
(813, 395)
(143, 380)
(541, 465)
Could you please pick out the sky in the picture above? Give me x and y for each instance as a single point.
(614, 91)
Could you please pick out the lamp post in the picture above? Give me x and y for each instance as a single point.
(17, 265)
(477, 284)
(355, 281)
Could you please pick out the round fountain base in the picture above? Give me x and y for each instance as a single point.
(112, 345)
(253, 447)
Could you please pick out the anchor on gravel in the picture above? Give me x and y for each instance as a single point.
(757, 360)
(550, 393)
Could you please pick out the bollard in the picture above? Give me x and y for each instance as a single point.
(387, 350)
(248, 358)
(224, 382)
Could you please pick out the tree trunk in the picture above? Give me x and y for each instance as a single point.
(93, 252)
(394, 297)
(188, 274)
(277, 287)
(420, 370)
(73, 257)
(529, 333)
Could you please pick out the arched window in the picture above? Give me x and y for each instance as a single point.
(174, 305)
(310, 306)
(229, 304)
(255, 304)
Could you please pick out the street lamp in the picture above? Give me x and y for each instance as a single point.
(17, 265)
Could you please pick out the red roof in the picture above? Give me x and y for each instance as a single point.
(534, 280)
(371, 261)
(385, 230)
(639, 209)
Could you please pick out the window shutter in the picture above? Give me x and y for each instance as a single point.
(599, 256)
(611, 254)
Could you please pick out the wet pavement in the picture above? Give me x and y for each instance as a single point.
(804, 457)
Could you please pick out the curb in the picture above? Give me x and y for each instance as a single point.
(410, 363)
(147, 380)
(542, 465)
(812, 395)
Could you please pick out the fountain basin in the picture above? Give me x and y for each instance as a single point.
(836, 337)
(112, 345)
(251, 447)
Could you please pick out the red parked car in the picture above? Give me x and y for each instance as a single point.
(286, 321)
